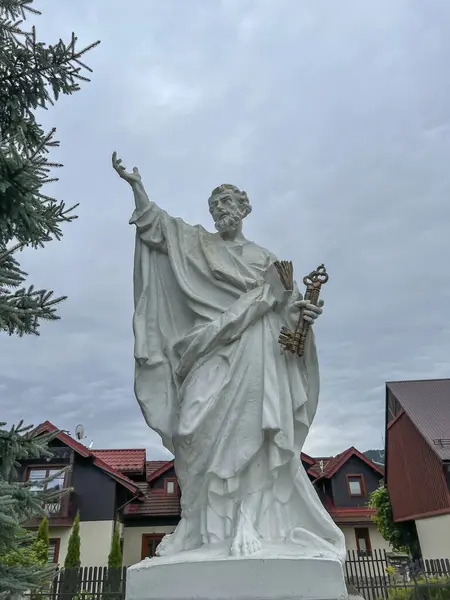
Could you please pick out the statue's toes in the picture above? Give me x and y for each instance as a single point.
(235, 548)
(252, 546)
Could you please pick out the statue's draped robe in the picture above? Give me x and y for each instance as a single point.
(211, 380)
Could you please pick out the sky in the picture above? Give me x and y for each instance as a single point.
(333, 116)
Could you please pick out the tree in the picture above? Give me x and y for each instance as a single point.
(402, 536)
(32, 75)
(73, 550)
(113, 579)
(115, 554)
(375, 455)
(21, 565)
(42, 541)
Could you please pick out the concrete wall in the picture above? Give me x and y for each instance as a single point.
(95, 542)
(132, 541)
(434, 536)
(377, 542)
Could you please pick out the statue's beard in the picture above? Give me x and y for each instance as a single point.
(228, 223)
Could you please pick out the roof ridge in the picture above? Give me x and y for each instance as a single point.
(418, 380)
(118, 449)
(426, 403)
(335, 463)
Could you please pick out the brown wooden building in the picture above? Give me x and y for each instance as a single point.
(418, 459)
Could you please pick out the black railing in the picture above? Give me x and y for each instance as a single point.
(86, 583)
(372, 576)
(376, 577)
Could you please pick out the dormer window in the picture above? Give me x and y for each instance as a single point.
(170, 486)
(355, 486)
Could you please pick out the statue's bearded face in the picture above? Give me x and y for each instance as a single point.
(225, 211)
(228, 208)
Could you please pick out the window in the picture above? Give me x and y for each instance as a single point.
(53, 550)
(170, 486)
(355, 485)
(363, 544)
(150, 542)
(37, 475)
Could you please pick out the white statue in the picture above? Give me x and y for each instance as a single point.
(212, 381)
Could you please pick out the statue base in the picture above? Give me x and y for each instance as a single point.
(276, 572)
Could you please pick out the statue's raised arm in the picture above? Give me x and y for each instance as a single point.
(134, 179)
(151, 221)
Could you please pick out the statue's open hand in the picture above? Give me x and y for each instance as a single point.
(310, 311)
(131, 178)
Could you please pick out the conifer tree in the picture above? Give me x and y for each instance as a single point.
(21, 567)
(32, 75)
(115, 554)
(113, 581)
(42, 541)
(72, 560)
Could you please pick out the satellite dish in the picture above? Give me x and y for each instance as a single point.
(79, 432)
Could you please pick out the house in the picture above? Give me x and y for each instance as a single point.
(344, 483)
(99, 492)
(120, 484)
(147, 522)
(418, 459)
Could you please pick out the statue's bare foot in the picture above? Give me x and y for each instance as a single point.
(180, 540)
(246, 540)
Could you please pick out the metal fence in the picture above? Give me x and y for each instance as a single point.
(378, 577)
(373, 576)
(86, 583)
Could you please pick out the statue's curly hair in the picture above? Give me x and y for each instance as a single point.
(240, 195)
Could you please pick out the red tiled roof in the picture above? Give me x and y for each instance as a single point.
(156, 503)
(332, 465)
(349, 515)
(307, 459)
(354, 514)
(154, 465)
(155, 468)
(129, 460)
(427, 404)
(315, 469)
(87, 453)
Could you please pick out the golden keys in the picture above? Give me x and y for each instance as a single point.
(294, 341)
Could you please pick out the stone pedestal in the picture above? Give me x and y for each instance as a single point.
(265, 575)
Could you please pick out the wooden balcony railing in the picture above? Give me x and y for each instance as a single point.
(59, 512)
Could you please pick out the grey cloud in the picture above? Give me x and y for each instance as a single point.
(335, 119)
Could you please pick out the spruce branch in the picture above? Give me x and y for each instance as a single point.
(33, 74)
(22, 553)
